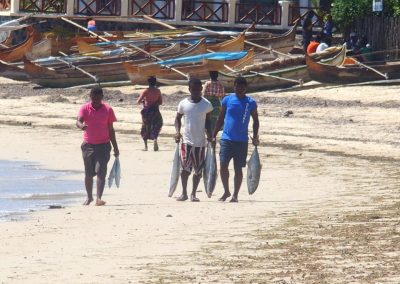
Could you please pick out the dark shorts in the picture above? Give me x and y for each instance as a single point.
(192, 158)
(233, 149)
(95, 158)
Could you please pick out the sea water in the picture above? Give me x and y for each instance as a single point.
(26, 187)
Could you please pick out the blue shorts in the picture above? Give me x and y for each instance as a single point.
(233, 149)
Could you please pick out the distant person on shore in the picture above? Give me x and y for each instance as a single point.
(313, 45)
(91, 25)
(307, 29)
(197, 123)
(328, 27)
(152, 120)
(235, 117)
(96, 120)
(366, 53)
(214, 91)
(325, 43)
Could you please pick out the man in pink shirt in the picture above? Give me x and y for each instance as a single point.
(96, 120)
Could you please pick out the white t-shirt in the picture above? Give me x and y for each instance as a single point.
(321, 47)
(195, 121)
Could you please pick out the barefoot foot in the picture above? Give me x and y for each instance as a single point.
(88, 201)
(182, 198)
(225, 196)
(100, 202)
(234, 199)
(193, 198)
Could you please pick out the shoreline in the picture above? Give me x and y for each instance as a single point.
(327, 209)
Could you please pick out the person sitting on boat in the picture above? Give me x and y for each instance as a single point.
(214, 91)
(325, 43)
(91, 25)
(366, 53)
(152, 120)
(312, 47)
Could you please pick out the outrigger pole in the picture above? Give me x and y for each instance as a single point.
(118, 45)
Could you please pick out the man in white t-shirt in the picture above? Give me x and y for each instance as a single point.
(325, 43)
(196, 111)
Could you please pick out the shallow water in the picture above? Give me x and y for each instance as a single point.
(25, 187)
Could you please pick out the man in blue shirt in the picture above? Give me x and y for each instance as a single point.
(235, 116)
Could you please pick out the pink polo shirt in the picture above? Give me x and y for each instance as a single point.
(97, 122)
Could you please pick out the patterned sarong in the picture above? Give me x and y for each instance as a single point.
(152, 122)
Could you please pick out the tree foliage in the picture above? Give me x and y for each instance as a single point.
(344, 12)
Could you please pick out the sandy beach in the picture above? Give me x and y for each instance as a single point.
(327, 209)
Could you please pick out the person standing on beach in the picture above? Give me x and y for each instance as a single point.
(197, 114)
(214, 91)
(152, 120)
(96, 120)
(235, 117)
(307, 29)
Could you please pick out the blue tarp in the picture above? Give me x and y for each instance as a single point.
(197, 58)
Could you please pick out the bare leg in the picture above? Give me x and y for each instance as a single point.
(237, 184)
(184, 178)
(145, 144)
(155, 145)
(101, 181)
(225, 181)
(196, 181)
(89, 189)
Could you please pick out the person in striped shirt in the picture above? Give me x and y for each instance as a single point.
(214, 91)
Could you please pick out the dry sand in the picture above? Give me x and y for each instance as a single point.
(327, 209)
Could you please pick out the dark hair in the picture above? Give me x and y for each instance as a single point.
(213, 75)
(96, 91)
(328, 41)
(152, 81)
(194, 81)
(240, 81)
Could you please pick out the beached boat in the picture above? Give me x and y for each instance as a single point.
(18, 51)
(282, 43)
(12, 72)
(199, 68)
(232, 45)
(352, 71)
(262, 77)
(103, 70)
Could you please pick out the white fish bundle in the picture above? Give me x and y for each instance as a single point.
(210, 172)
(115, 173)
(176, 168)
(253, 171)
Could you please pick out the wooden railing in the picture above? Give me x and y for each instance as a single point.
(258, 13)
(43, 6)
(98, 7)
(296, 12)
(153, 8)
(5, 5)
(204, 11)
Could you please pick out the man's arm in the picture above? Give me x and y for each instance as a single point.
(113, 139)
(256, 126)
(80, 123)
(208, 127)
(220, 121)
(141, 98)
(178, 125)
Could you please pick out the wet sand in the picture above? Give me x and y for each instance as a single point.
(327, 209)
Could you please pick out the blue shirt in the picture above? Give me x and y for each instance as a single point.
(237, 117)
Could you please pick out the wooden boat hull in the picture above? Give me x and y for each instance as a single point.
(200, 70)
(63, 76)
(258, 83)
(17, 52)
(12, 72)
(350, 73)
